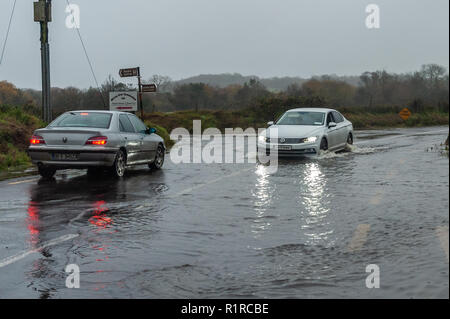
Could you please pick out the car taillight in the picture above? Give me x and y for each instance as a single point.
(97, 140)
(36, 140)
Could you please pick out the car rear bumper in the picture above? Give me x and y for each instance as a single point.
(85, 157)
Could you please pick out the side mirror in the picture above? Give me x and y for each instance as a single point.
(331, 124)
(270, 123)
(150, 130)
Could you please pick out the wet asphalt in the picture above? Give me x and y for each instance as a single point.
(308, 230)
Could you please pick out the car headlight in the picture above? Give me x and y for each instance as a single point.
(311, 139)
(262, 139)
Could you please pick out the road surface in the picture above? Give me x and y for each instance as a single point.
(236, 231)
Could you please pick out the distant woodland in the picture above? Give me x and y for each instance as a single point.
(421, 90)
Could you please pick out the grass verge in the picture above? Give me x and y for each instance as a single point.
(233, 119)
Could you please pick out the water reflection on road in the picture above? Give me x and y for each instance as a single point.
(238, 230)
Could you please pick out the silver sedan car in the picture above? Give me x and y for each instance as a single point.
(307, 132)
(95, 140)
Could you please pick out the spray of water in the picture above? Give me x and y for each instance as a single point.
(349, 149)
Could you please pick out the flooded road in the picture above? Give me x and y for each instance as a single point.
(235, 230)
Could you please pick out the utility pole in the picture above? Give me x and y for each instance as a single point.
(43, 15)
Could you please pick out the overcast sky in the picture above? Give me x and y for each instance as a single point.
(182, 38)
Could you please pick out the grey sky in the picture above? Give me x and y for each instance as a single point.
(181, 38)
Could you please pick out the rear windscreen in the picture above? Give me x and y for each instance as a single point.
(83, 119)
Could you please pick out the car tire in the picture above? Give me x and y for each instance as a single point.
(118, 168)
(350, 139)
(159, 158)
(46, 172)
(324, 144)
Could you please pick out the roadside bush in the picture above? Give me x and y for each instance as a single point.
(16, 127)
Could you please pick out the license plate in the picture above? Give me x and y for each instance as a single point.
(64, 156)
(283, 147)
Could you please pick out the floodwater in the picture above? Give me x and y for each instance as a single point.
(308, 230)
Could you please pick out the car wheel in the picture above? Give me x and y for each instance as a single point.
(350, 139)
(46, 172)
(118, 169)
(159, 159)
(324, 144)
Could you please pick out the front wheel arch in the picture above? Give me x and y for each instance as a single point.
(350, 138)
(324, 143)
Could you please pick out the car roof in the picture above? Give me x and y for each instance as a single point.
(312, 109)
(99, 111)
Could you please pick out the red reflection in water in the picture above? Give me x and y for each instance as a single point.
(33, 223)
(101, 222)
(99, 217)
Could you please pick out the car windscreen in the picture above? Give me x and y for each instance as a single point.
(302, 118)
(83, 119)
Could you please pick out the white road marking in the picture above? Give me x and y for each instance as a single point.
(359, 238)
(190, 189)
(12, 259)
(24, 181)
(76, 218)
(442, 233)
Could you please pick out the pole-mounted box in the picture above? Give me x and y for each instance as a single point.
(42, 11)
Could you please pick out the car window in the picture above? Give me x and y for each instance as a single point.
(301, 118)
(125, 124)
(83, 119)
(330, 118)
(338, 118)
(137, 123)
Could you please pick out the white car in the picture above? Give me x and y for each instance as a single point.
(307, 131)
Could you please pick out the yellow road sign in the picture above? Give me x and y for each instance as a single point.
(405, 114)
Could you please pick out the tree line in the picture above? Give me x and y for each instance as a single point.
(423, 90)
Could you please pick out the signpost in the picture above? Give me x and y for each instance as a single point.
(405, 114)
(129, 72)
(123, 101)
(142, 88)
(149, 88)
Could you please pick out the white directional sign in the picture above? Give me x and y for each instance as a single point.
(123, 101)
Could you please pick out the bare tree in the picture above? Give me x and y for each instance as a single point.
(163, 82)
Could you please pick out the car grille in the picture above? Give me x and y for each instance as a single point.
(293, 152)
(285, 140)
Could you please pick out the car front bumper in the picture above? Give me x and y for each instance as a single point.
(79, 157)
(290, 150)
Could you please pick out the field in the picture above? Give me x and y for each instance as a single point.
(18, 123)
